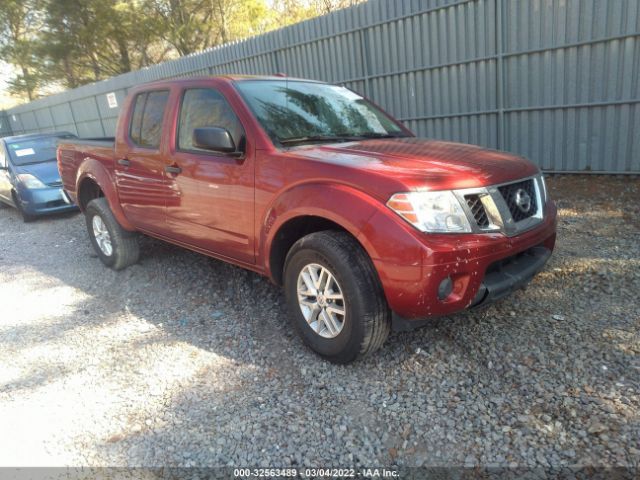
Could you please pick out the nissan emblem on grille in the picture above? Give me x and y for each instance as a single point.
(522, 200)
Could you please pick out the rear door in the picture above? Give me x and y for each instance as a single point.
(214, 192)
(139, 168)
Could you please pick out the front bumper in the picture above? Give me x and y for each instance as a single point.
(44, 201)
(507, 276)
(472, 263)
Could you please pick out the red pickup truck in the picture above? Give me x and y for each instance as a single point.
(367, 227)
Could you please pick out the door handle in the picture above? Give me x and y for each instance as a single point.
(173, 169)
(124, 162)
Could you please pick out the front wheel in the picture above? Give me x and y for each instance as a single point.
(26, 218)
(335, 298)
(115, 246)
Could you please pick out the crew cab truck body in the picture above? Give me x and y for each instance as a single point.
(365, 225)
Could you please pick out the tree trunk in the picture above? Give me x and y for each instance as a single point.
(68, 71)
(27, 82)
(125, 60)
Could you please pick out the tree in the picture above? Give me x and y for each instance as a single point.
(88, 40)
(67, 43)
(19, 23)
(323, 7)
(194, 25)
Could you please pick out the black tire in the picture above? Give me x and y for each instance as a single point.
(26, 218)
(126, 250)
(367, 321)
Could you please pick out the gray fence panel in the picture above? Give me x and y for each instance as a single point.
(5, 125)
(555, 80)
(571, 83)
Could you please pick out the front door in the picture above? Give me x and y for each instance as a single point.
(212, 202)
(139, 168)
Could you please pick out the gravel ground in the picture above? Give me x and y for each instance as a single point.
(185, 361)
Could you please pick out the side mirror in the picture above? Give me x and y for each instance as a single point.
(214, 138)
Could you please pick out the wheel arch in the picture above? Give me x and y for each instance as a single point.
(292, 231)
(88, 189)
(94, 181)
(311, 208)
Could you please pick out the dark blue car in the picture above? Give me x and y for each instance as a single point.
(29, 178)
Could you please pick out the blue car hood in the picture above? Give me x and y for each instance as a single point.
(46, 172)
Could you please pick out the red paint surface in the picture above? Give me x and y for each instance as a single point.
(232, 208)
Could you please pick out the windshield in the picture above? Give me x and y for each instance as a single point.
(33, 150)
(305, 112)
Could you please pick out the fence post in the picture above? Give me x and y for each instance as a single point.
(500, 73)
(104, 132)
(35, 119)
(366, 62)
(19, 117)
(53, 120)
(73, 118)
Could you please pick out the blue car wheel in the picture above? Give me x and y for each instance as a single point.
(26, 218)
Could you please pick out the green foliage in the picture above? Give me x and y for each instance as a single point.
(67, 43)
(19, 22)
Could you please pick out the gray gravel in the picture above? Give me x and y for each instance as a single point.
(185, 361)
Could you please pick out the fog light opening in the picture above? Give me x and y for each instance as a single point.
(445, 289)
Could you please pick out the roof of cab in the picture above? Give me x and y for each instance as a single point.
(226, 78)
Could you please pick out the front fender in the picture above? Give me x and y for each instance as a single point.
(386, 238)
(346, 206)
(96, 171)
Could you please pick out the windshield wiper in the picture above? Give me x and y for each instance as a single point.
(380, 135)
(346, 137)
(314, 138)
(39, 161)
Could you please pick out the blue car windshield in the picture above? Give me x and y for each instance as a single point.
(33, 150)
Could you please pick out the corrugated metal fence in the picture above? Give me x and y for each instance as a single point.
(5, 128)
(555, 80)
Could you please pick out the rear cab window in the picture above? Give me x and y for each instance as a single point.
(145, 129)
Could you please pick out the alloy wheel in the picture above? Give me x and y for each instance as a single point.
(321, 300)
(101, 234)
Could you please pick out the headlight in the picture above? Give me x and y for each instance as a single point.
(30, 181)
(434, 212)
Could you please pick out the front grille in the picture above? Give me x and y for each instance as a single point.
(520, 191)
(477, 210)
(55, 203)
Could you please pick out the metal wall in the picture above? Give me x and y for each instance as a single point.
(5, 127)
(555, 80)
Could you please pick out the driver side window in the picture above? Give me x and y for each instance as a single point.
(204, 107)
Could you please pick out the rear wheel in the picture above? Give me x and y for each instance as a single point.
(116, 247)
(26, 218)
(335, 298)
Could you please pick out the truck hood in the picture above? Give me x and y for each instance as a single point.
(420, 163)
(46, 172)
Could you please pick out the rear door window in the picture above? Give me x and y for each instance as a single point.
(146, 120)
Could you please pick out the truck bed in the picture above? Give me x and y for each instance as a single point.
(72, 152)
